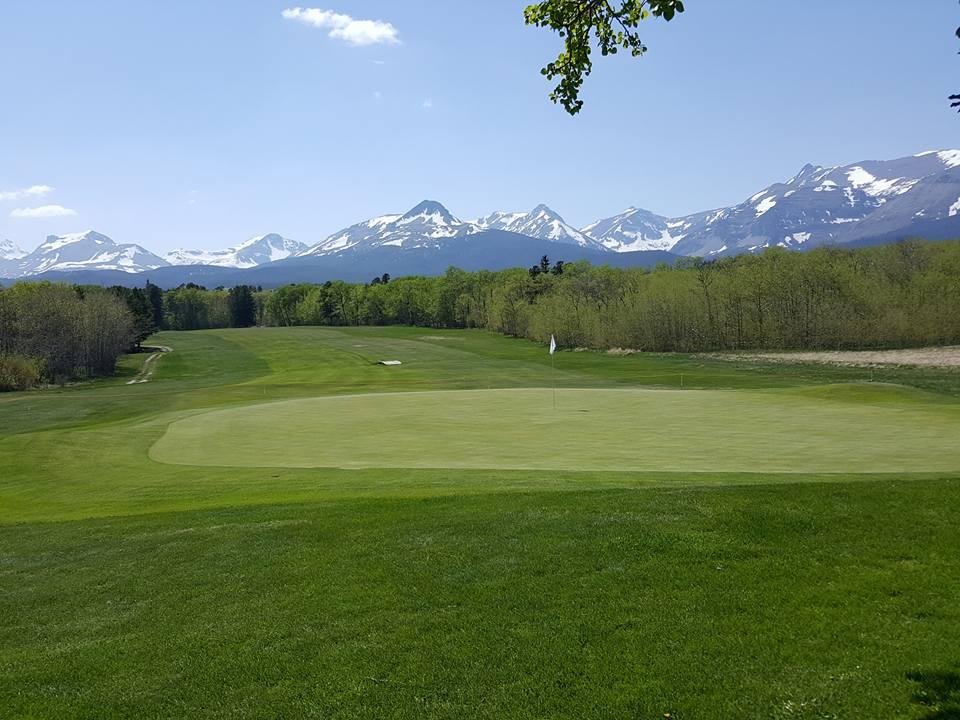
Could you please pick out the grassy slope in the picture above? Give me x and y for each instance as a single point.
(132, 588)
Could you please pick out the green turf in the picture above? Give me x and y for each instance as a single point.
(595, 429)
(136, 588)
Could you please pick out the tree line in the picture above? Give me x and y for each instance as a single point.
(54, 332)
(895, 295)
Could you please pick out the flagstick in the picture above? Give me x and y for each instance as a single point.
(553, 373)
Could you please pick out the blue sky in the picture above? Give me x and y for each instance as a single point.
(199, 124)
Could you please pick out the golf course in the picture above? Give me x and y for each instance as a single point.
(267, 523)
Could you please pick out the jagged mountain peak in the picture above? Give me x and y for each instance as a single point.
(427, 224)
(632, 230)
(807, 172)
(257, 250)
(53, 242)
(9, 250)
(430, 209)
(257, 239)
(541, 222)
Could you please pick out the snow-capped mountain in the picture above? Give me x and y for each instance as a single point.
(837, 205)
(81, 251)
(9, 250)
(636, 229)
(541, 222)
(428, 224)
(255, 251)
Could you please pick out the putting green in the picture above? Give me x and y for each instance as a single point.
(635, 430)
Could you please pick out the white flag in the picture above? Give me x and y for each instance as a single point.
(553, 345)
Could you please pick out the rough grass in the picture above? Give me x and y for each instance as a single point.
(132, 588)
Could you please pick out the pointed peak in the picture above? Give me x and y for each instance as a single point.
(429, 207)
(547, 211)
(87, 235)
(806, 172)
(269, 239)
(9, 250)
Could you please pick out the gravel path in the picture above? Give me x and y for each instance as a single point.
(929, 357)
(149, 365)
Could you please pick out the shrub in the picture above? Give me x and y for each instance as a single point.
(19, 372)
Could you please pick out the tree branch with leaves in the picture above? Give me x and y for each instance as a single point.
(612, 22)
(955, 99)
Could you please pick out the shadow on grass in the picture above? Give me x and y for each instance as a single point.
(939, 692)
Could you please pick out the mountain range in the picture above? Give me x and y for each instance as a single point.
(255, 251)
(863, 203)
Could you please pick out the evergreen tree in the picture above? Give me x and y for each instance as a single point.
(242, 307)
(155, 298)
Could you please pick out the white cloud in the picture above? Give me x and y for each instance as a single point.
(44, 211)
(32, 191)
(377, 95)
(343, 27)
(428, 104)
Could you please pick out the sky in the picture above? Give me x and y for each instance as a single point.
(200, 124)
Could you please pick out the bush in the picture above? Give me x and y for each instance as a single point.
(19, 372)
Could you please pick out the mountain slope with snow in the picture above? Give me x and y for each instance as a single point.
(81, 251)
(9, 250)
(836, 205)
(426, 225)
(635, 229)
(255, 251)
(541, 223)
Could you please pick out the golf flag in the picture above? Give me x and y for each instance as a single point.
(553, 345)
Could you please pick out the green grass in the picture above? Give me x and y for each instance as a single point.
(594, 429)
(131, 587)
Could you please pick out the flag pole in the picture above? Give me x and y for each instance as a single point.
(553, 374)
(553, 370)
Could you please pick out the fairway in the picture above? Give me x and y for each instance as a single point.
(272, 525)
(590, 429)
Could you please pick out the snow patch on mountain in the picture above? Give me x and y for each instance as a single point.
(764, 205)
(860, 179)
(950, 158)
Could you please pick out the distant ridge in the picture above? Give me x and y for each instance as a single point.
(255, 251)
